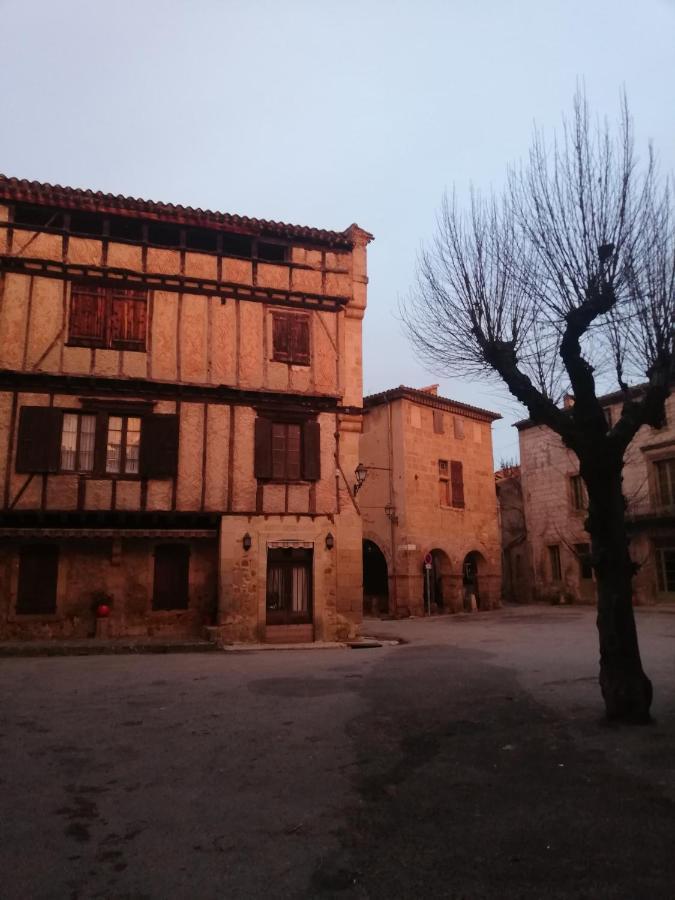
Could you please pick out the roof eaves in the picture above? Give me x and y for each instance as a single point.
(40, 193)
(432, 400)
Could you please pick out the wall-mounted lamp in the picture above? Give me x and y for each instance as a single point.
(360, 471)
(330, 541)
(390, 512)
(246, 542)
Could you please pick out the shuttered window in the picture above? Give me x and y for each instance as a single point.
(443, 483)
(54, 440)
(171, 586)
(290, 338)
(38, 575)
(439, 426)
(578, 491)
(554, 562)
(287, 451)
(457, 483)
(665, 479)
(107, 317)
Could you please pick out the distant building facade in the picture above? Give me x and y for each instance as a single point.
(429, 492)
(516, 587)
(556, 504)
(178, 390)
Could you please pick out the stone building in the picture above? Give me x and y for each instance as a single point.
(180, 399)
(556, 507)
(428, 492)
(515, 557)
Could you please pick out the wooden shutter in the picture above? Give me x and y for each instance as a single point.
(280, 338)
(263, 448)
(299, 340)
(38, 446)
(438, 421)
(171, 586)
(128, 314)
(38, 574)
(457, 483)
(311, 451)
(87, 315)
(159, 446)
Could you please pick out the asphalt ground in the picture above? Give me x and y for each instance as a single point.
(470, 762)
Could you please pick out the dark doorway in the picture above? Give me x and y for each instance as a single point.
(375, 581)
(38, 574)
(289, 586)
(437, 580)
(171, 588)
(470, 580)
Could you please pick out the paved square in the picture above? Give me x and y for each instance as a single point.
(468, 762)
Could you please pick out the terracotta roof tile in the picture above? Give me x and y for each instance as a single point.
(36, 192)
(425, 398)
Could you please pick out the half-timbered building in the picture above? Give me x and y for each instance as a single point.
(180, 409)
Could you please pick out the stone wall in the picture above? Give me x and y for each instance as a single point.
(121, 568)
(553, 521)
(402, 450)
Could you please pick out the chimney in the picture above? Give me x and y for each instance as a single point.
(431, 389)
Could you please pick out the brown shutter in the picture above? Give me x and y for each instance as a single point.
(38, 574)
(38, 446)
(280, 338)
(263, 448)
(311, 451)
(171, 587)
(127, 319)
(299, 336)
(159, 446)
(457, 482)
(87, 314)
(438, 421)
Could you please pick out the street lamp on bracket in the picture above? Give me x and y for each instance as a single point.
(360, 472)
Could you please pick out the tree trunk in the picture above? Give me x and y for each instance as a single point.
(626, 690)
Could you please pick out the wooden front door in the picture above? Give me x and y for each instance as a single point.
(289, 586)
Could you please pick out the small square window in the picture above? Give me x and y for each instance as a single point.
(665, 481)
(107, 317)
(290, 339)
(583, 552)
(579, 495)
(554, 562)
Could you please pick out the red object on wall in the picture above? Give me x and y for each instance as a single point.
(102, 611)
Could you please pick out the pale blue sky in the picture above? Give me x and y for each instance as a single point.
(322, 114)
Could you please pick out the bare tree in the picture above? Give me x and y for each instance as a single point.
(567, 278)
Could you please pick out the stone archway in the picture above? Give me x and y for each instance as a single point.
(475, 589)
(375, 580)
(437, 584)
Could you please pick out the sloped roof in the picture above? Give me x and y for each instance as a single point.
(36, 192)
(425, 398)
(604, 400)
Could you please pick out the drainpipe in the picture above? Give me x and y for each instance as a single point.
(393, 600)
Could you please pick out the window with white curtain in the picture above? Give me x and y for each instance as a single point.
(78, 436)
